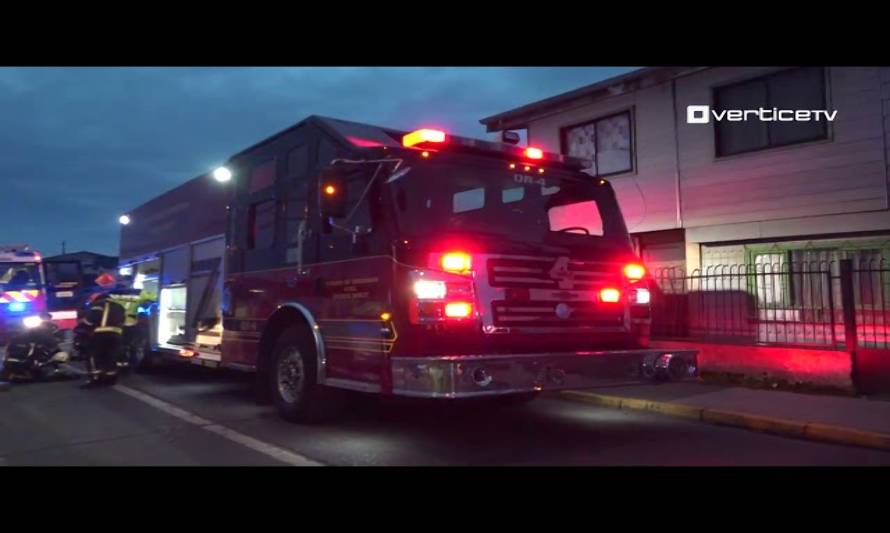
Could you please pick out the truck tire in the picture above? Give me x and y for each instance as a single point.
(292, 374)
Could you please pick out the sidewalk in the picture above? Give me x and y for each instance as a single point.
(837, 419)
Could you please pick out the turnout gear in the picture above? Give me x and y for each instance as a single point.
(107, 318)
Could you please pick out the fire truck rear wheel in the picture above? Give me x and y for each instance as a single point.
(292, 379)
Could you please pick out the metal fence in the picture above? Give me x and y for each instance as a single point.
(840, 303)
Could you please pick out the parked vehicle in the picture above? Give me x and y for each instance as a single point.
(22, 290)
(338, 255)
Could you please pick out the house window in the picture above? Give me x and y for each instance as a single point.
(810, 273)
(262, 225)
(605, 141)
(771, 271)
(794, 89)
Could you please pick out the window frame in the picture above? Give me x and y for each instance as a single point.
(251, 224)
(826, 101)
(631, 118)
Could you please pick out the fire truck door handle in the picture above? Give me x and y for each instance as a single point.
(292, 281)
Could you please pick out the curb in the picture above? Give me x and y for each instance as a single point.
(814, 431)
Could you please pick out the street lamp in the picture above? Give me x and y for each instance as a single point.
(124, 219)
(222, 174)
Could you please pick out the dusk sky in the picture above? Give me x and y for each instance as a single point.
(80, 146)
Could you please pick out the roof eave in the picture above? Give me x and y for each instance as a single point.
(520, 117)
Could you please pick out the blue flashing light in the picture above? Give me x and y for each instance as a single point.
(144, 311)
(17, 307)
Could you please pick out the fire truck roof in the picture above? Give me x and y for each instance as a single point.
(357, 136)
(196, 209)
(11, 253)
(343, 131)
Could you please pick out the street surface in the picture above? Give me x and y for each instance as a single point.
(195, 416)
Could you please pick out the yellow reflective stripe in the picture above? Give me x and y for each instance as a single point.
(105, 314)
(110, 329)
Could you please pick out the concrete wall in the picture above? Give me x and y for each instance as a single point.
(823, 368)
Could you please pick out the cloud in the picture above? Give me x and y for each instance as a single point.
(82, 145)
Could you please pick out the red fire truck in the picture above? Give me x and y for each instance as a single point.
(347, 256)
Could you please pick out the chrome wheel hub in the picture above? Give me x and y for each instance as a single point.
(291, 377)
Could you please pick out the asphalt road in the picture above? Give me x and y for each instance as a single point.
(194, 416)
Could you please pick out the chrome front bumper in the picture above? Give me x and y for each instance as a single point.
(463, 376)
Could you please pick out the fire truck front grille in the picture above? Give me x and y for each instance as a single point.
(546, 314)
(548, 273)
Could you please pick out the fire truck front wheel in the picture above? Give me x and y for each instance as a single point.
(292, 379)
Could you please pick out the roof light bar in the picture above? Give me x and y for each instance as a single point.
(422, 136)
(534, 153)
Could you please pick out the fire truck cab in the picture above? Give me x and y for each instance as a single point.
(22, 290)
(416, 264)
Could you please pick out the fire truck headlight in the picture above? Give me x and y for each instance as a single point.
(16, 307)
(32, 321)
(426, 289)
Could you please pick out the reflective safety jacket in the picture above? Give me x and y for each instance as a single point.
(130, 303)
(106, 316)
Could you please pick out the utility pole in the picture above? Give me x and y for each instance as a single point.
(63, 247)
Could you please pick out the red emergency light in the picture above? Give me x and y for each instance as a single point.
(423, 136)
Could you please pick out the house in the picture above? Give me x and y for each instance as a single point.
(737, 182)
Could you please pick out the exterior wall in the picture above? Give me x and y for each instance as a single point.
(831, 369)
(655, 161)
(833, 186)
(885, 102)
(845, 174)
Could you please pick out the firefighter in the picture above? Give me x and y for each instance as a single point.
(106, 318)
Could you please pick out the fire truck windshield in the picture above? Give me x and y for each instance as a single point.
(15, 276)
(530, 207)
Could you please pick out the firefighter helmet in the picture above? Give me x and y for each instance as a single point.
(106, 280)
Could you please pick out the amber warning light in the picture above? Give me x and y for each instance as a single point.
(610, 295)
(457, 262)
(423, 136)
(634, 272)
(534, 153)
